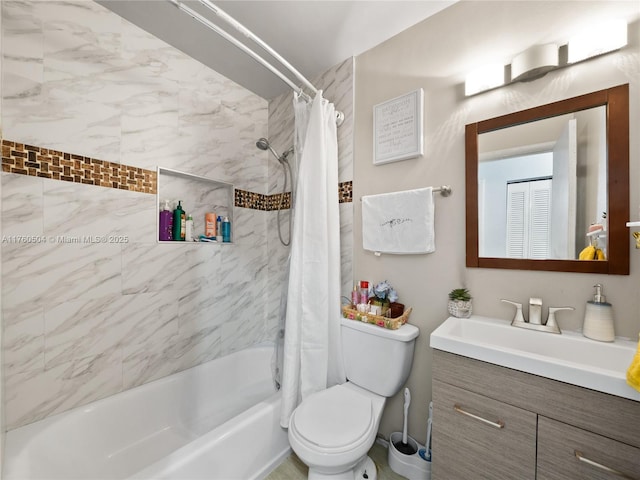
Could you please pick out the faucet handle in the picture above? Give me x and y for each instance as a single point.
(518, 316)
(551, 320)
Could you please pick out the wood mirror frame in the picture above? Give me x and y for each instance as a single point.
(616, 101)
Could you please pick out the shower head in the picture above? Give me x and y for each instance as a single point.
(264, 144)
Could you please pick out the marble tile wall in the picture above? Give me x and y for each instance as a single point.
(91, 304)
(337, 86)
(2, 409)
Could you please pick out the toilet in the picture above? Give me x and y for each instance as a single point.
(332, 430)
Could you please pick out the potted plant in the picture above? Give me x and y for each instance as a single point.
(460, 303)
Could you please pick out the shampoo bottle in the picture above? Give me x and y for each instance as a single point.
(219, 227)
(598, 318)
(166, 223)
(188, 234)
(179, 223)
(226, 230)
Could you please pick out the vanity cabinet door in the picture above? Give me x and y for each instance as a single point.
(475, 437)
(569, 453)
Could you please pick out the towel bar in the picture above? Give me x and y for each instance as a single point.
(445, 190)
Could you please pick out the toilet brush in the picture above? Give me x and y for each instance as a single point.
(425, 452)
(404, 447)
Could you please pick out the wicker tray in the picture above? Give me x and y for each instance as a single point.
(385, 322)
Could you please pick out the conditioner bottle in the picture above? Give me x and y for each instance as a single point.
(179, 223)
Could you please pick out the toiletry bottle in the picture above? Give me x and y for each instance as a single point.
(355, 296)
(598, 318)
(364, 291)
(188, 234)
(166, 223)
(178, 223)
(226, 230)
(210, 225)
(219, 227)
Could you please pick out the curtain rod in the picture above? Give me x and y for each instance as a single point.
(250, 35)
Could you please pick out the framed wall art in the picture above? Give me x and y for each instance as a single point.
(398, 128)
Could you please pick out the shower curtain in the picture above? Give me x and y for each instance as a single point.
(312, 346)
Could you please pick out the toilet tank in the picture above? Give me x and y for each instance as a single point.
(376, 358)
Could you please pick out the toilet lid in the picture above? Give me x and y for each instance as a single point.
(334, 418)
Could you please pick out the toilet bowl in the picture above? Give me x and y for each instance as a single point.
(332, 430)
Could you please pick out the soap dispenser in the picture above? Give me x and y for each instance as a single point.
(598, 318)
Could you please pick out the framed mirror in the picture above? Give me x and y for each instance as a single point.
(547, 188)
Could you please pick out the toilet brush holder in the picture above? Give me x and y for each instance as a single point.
(413, 466)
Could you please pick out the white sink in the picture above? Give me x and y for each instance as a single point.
(569, 357)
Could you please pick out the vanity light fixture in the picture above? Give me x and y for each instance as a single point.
(534, 62)
(484, 78)
(602, 38)
(537, 60)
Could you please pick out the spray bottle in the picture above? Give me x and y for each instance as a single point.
(226, 230)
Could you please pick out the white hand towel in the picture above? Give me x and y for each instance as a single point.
(399, 222)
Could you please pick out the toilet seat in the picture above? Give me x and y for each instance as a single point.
(335, 419)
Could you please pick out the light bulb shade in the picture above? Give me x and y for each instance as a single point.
(534, 62)
(599, 39)
(484, 78)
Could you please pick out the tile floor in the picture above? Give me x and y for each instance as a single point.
(293, 469)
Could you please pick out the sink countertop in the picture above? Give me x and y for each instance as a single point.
(569, 357)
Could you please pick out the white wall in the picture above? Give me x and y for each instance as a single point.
(435, 55)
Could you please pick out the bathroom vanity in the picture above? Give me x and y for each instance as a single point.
(500, 414)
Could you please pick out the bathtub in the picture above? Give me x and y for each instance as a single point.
(219, 420)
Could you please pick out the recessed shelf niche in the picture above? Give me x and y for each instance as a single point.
(198, 195)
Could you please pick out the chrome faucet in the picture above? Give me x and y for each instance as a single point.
(535, 316)
(535, 311)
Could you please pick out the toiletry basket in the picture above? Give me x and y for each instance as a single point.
(381, 321)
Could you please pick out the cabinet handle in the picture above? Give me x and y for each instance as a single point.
(579, 455)
(498, 424)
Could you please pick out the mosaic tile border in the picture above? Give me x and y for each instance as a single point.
(25, 159)
(260, 201)
(345, 192)
(268, 203)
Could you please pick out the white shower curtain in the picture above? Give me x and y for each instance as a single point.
(312, 347)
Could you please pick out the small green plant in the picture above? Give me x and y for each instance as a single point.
(460, 294)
